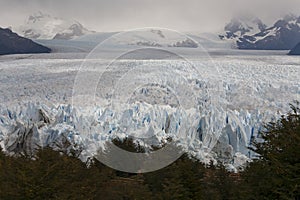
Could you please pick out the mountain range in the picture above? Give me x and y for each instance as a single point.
(46, 26)
(242, 25)
(147, 37)
(245, 32)
(284, 34)
(41, 26)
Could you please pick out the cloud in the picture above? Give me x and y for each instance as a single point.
(112, 15)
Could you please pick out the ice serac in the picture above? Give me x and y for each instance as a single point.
(215, 134)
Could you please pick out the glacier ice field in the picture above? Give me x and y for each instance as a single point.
(213, 115)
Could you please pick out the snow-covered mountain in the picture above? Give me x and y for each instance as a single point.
(45, 26)
(283, 35)
(242, 25)
(143, 37)
(158, 38)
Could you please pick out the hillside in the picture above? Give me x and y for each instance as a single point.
(12, 43)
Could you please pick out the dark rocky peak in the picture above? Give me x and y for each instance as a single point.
(12, 43)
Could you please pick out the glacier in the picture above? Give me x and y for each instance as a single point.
(248, 91)
(215, 135)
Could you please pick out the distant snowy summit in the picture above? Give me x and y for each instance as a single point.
(241, 26)
(45, 26)
(163, 38)
(283, 35)
(147, 37)
(12, 43)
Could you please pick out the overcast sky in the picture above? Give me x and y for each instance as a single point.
(113, 15)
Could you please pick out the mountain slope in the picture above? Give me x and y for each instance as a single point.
(11, 43)
(75, 30)
(295, 50)
(148, 37)
(45, 26)
(240, 26)
(283, 35)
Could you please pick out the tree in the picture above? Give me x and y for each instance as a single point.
(275, 174)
